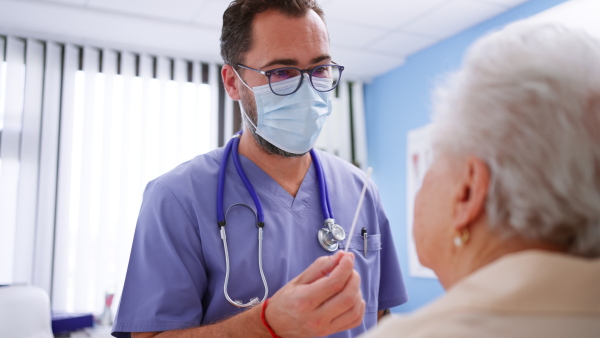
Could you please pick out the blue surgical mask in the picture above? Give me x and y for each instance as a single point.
(293, 122)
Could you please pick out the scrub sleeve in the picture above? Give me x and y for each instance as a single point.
(165, 280)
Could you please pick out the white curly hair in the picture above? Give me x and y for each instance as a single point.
(527, 102)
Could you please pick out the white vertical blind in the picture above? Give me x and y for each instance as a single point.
(2, 85)
(6, 256)
(107, 252)
(206, 124)
(180, 78)
(343, 142)
(46, 201)
(163, 76)
(2, 93)
(145, 63)
(214, 73)
(358, 123)
(63, 287)
(195, 132)
(2, 82)
(96, 118)
(228, 128)
(29, 161)
(12, 118)
(83, 208)
(131, 181)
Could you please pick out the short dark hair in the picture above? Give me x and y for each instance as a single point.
(236, 34)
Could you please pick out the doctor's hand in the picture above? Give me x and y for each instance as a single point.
(322, 300)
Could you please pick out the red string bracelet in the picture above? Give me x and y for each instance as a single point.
(264, 319)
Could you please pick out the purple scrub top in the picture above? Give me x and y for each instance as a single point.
(177, 266)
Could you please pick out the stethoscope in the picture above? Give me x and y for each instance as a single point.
(329, 236)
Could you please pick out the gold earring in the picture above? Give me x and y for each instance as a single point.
(462, 238)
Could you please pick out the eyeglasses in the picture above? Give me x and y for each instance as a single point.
(322, 78)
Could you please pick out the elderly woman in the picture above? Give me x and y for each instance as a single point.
(508, 215)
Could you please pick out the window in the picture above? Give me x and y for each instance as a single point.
(124, 129)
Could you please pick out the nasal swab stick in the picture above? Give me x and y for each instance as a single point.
(360, 201)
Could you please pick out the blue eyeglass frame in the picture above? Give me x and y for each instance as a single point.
(308, 71)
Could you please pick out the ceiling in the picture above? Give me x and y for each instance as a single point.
(368, 37)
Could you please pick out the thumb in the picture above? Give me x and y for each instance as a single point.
(321, 267)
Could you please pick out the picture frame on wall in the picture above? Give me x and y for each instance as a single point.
(419, 157)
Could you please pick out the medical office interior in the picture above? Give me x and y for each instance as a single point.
(98, 97)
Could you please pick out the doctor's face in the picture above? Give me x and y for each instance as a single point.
(278, 41)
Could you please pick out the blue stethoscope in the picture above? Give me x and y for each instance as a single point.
(329, 236)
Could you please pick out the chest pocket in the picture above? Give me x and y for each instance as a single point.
(368, 267)
(358, 243)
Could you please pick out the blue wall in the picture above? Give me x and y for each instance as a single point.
(397, 102)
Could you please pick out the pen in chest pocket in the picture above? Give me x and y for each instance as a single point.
(363, 232)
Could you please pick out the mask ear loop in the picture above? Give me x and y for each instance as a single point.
(254, 300)
(239, 77)
(246, 115)
(241, 105)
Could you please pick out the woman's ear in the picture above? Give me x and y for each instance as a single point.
(231, 82)
(471, 193)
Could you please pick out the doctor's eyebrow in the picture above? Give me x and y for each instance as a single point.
(294, 62)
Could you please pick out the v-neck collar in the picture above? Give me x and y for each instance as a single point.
(308, 192)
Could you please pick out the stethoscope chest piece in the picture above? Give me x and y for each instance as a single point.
(331, 235)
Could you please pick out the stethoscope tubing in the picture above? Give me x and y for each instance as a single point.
(249, 187)
(232, 146)
(325, 203)
(253, 301)
(221, 184)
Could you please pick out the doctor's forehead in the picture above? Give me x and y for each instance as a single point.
(293, 40)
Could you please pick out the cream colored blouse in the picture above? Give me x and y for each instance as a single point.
(527, 294)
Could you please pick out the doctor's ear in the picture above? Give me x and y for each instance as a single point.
(231, 82)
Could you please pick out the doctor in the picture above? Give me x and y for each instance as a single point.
(201, 267)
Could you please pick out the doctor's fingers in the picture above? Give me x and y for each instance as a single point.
(327, 287)
(321, 267)
(343, 311)
(343, 301)
(349, 319)
(324, 326)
